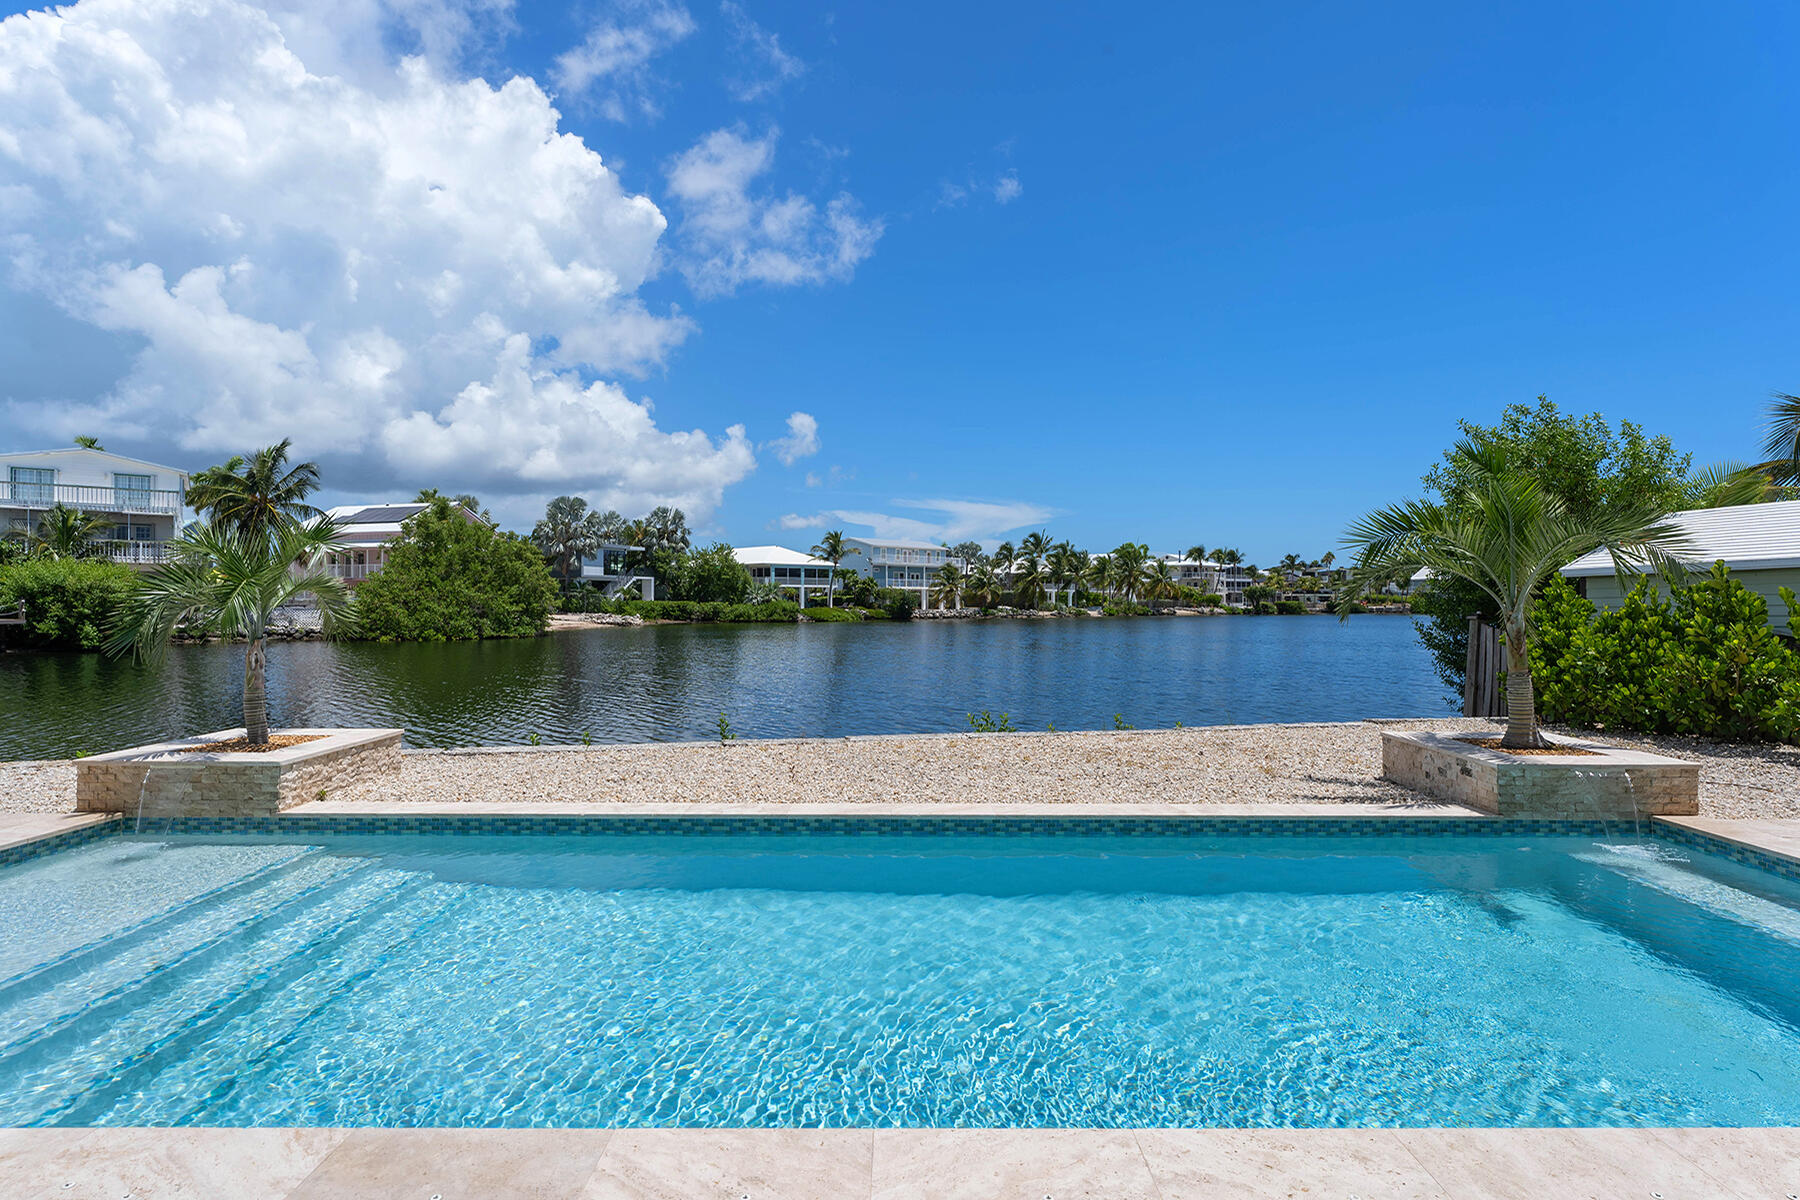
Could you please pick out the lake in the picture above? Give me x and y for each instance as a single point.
(671, 682)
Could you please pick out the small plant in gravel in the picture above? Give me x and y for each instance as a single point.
(587, 739)
(533, 739)
(1119, 722)
(725, 733)
(986, 722)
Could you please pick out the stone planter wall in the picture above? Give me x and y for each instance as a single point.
(164, 781)
(1607, 783)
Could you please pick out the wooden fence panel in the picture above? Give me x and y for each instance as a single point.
(1481, 676)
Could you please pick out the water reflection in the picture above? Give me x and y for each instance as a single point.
(671, 682)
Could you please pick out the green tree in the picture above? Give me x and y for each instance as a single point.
(982, 585)
(969, 552)
(253, 494)
(712, 575)
(88, 442)
(447, 578)
(1066, 564)
(64, 532)
(69, 603)
(1160, 582)
(1781, 440)
(947, 586)
(831, 548)
(569, 532)
(231, 579)
(1501, 529)
(1587, 464)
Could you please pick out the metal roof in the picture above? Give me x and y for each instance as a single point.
(894, 543)
(775, 556)
(1748, 537)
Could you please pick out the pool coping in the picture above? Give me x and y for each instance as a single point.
(892, 1164)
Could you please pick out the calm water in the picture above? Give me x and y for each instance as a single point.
(670, 682)
(890, 981)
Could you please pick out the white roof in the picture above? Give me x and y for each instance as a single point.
(1748, 537)
(775, 556)
(894, 543)
(136, 462)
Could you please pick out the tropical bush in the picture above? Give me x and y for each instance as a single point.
(709, 576)
(896, 603)
(1700, 661)
(1212, 600)
(1290, 608)
(451, 579)
(69, 602)
(831, 615)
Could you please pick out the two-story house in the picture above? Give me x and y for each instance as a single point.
(142, 503)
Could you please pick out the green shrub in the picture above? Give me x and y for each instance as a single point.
(830, 615)
(1290, 608)
(896, 603)
(709, 576)
(1264, 608)
(1120, 608)
(68, 601)
(1702, 661)
(1212, 600)
(451, 579)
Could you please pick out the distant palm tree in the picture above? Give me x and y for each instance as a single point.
(1097, 575)
(947, 586)
(64, 532)
(232, 579)
(982, 585)
(1159, 582)
(1028, 583)
(1196, 553)
(1126, 569)
(252, 494)
(87, 442)
(831, 548)
(569, 533)
(1781, 440)
(1728, 485)
(1502, 531)
(1066, 564)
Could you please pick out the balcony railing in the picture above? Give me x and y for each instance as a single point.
(14, 494)
(143, 553)
(351, 570)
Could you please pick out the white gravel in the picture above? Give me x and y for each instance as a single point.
(1269, 764)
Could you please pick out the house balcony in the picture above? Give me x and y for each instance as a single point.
(92, 499)
(137, 554)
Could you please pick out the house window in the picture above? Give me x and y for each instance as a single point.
(131, 491)
(33, 485)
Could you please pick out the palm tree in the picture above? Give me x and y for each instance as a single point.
(88, 442)
(232, 579)
(982, 585)
(252, 494)
(831, 548)
(946, 587)
(64, 532)
(1028, 584)
(1196, 553)
(1159, 581)
(1502, 531)
(1126, 569)
(1781, 440)
(1727, 485)
(1066, 564)
(569, 532)
(1097, 575)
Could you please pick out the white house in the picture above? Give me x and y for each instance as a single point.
(1760, 543)
(143, 503)
(897, 563)
(801, 574)
(365, 530)
(1211, 577)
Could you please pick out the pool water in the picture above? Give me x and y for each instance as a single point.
(897, 981)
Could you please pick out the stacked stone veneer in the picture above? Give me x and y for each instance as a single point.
(1607, 783)
(202, 784)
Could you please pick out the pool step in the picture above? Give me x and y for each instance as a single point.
(138, 948)
(120, 1069)
(112, 1030)
(38, 1000)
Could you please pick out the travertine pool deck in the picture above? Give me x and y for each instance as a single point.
(1072, 1164)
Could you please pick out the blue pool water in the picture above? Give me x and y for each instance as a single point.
(897, 981)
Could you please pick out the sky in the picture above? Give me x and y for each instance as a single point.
(1210, 273)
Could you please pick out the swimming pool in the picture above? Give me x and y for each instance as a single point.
(894, 979)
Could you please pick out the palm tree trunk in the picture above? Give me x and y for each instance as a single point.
(256, 698)
(1521, 701)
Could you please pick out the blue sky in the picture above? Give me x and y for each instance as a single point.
(1215, 273)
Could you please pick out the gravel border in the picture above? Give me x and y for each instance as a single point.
(1239, 764)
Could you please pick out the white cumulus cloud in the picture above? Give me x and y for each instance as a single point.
(418, 276)
(802, 440)
(735, 231)
(611, 67)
